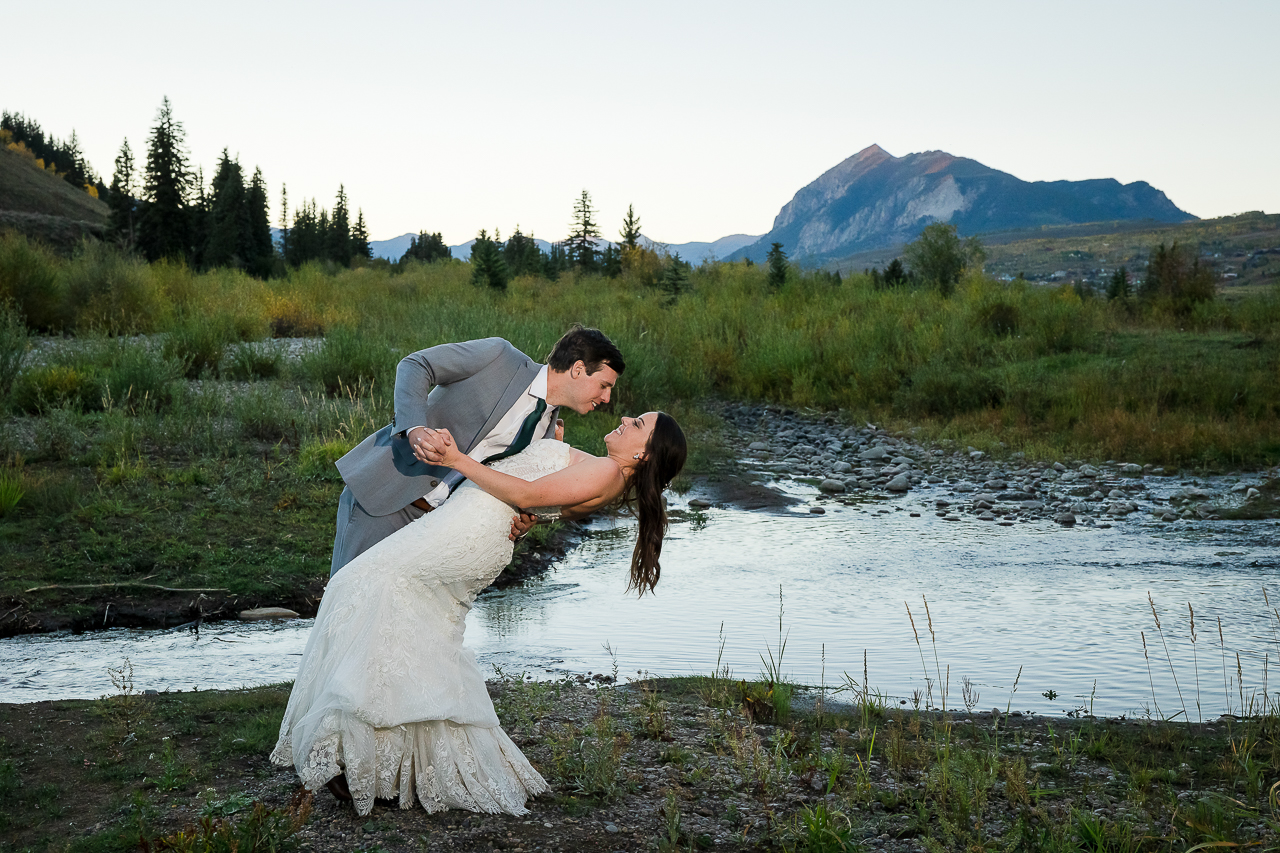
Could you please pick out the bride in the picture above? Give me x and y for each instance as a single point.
(388, 703)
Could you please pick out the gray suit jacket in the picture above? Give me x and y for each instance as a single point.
(475, 384)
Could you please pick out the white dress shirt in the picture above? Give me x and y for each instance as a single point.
(504, 434)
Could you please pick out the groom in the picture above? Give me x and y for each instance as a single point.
(491, 397)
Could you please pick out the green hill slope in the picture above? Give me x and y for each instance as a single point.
(26, 189)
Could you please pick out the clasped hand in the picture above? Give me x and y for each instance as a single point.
(437, 447)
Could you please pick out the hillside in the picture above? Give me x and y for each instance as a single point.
(874, 200)
(26, 189)
(1243, 250)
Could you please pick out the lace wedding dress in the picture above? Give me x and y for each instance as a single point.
(386, 692)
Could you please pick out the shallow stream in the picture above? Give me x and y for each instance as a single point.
(1068, 607)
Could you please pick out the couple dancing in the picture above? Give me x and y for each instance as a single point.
(388, 703)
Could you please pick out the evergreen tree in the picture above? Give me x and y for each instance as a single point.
(360, 247)
(1176, 279)
(261, 253)
(1118, 285)
(522, 255)
(611, 261)
(630, 232)
(895, 275)
(580, 246)
(164, 228)
(284, 222)
(487, 266)
(224, 242)
(339, 231)
(122, 199)
(675, 278)
(555, 262)
(777, 266)
(427, 248)
(198, 218)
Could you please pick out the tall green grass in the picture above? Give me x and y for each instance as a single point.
(1037, 366)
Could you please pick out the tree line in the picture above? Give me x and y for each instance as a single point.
(166, 210)
(62, 157)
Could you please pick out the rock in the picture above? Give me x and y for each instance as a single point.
(259, 613)
(1087, 471)
(986, 516)
(1059, 467)
(975, 455)
(874, 453)
(757, 445)
(1130, 468)
(1169, 516)
(804, 450)
(915, 515)
(1121, 508)
(831, 486)
(1031, 505)
(900, 483)
(902, 460)
(995, 485)
(1066, 519)
(1115, 493)
(610, 827)
(1252, 494)
(981, 504)
(842, 468)
(699, 503)
(817, 510)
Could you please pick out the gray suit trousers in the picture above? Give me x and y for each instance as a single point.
(358, 531)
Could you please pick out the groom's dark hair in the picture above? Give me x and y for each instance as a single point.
(590, 346)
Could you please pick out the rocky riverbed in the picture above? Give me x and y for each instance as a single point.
(853, 464)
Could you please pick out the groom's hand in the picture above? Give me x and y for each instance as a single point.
(521, 524)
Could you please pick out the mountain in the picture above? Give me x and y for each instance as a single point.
(874, 199)
(45, 207)
(696, 253)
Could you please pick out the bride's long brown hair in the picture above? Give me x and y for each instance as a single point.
(663, 458)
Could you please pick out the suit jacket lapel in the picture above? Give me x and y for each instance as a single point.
(519, 384)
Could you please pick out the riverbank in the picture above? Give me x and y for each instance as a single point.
(673, 764)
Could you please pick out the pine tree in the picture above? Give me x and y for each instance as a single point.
(630, 232)
(777, 266)
(675, 278)
(198, 218)
(895, 275)
(487, 266)
(427, 248)
(122, 199)
(164, 228)
(261, 253)
(580, 245)
(1118, 286)
(284, 222)
(522, 255)
(555, 262)
(611, 261)
(340, 230)
(360, 247)
(222, 247)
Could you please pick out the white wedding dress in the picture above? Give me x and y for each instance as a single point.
(386, 692)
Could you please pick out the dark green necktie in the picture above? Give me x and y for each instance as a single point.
(525, 435)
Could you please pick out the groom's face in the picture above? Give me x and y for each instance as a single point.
(587, 391)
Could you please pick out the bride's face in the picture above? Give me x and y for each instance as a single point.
(632, 436)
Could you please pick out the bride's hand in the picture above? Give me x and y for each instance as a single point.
(559, 429)
(441, 449)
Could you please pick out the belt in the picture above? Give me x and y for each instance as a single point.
(421, 503)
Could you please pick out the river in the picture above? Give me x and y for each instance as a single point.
(1068, 608)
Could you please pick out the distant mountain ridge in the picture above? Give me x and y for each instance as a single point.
(873, 200)
(695, 252)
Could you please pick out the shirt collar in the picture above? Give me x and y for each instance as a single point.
(538, 388)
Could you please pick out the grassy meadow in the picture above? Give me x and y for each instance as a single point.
(157, 431)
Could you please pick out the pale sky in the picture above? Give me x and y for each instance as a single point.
(707, 116)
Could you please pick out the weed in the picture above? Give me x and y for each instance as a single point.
(819, 830)
(590, 762)
(11, 490)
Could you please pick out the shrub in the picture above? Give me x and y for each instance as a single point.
(944, 389)
(137, 378)
(348, 358)
(111, 292)
(13, 346)
(199, 343)
(29, 279)
(11, 490)
(253, 361)
(51, 386)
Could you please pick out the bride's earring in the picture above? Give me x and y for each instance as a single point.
(637, 456)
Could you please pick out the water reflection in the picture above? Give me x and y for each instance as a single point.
(1067, 606)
